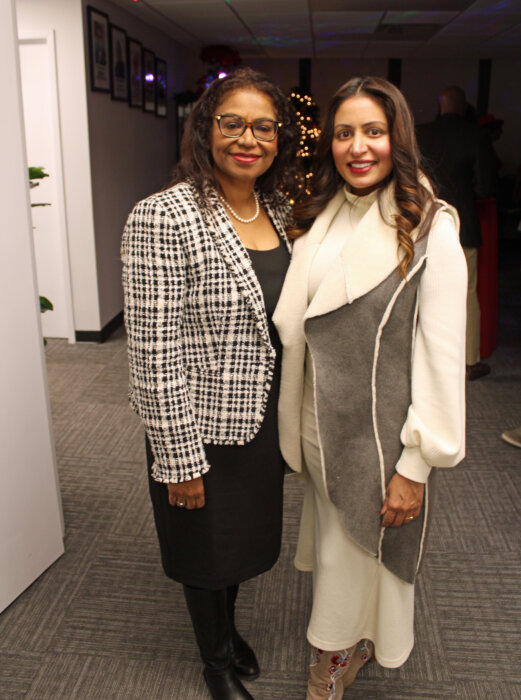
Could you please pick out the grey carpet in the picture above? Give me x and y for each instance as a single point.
(104, 623)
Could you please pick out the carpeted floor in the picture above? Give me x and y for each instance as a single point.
(104, 623)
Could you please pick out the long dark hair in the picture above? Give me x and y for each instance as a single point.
(196, 161)
(412, 198)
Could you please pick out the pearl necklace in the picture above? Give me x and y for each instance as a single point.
(239, 218)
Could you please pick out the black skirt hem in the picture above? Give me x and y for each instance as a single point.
(209, 583)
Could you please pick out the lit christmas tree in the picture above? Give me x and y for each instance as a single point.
(308, 116)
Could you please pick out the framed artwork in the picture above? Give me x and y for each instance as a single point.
(135, 73)
(118, 63)
(149, 82)
(99, 50)
(161, 88)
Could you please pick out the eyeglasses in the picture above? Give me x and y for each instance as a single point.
(232, 126)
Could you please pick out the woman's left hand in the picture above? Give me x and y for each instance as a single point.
(403, 501)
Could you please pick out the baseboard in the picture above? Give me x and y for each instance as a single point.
(102, 335)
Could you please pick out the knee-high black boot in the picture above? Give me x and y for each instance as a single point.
(243, 656)
(209, 614)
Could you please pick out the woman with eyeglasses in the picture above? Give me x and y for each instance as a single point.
(204, 262)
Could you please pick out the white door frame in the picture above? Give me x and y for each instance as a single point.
(47, 38)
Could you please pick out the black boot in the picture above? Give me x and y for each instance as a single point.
(244, 660)
(212, 631)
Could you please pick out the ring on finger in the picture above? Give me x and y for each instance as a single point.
(410, 517)
(181, 504)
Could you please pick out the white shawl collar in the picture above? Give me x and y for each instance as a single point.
(369, 255)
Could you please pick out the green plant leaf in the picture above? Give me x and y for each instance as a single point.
(36, 173)
(45, 305)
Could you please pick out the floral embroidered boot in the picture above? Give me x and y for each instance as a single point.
(326, 671)
(362, 654)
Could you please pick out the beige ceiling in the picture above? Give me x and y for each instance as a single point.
(341, 28)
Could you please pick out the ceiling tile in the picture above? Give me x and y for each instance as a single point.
(282, 27)
(270, 7)
(497, 6)
(406, 32)
(345, 22)
(383, 5)
(413, 17)
(474, 24)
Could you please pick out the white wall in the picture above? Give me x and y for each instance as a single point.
(30, 512)
(132, 153)
(65, 18)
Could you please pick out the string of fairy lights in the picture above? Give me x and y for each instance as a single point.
(309, 132)
(307, 115)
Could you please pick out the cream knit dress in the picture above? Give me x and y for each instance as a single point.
(354, 596)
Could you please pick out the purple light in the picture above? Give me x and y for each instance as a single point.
(149, 77)
(222, 74)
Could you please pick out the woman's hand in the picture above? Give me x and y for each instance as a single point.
(403, 501)
(187, 494)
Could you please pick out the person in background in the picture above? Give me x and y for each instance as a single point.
(203, 265)
(372, 322)
(458, 157)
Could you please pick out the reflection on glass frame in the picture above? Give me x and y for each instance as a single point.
(161, 88)
(149, 82)
(135, 73)
(98, 23)
(118, 63)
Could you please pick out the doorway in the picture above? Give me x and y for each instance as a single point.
(43, 143)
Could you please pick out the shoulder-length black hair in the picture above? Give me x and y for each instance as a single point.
(196, 161)
(413, 200)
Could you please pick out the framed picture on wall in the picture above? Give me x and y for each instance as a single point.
(135, 73)
(99, 50)
(118, 63)
(161, 88)
(149, 82)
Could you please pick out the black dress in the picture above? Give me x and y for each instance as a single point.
(237, 534)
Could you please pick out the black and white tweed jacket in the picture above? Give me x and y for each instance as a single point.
(200, 356)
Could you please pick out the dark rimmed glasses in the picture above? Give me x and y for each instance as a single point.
(232, 126)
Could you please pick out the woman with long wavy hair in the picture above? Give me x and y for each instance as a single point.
(372, 321)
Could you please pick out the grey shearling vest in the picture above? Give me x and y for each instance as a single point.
(362, 355)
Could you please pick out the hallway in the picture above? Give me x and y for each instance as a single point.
(104, 623)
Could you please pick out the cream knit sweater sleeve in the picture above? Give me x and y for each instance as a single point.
(434, 431)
